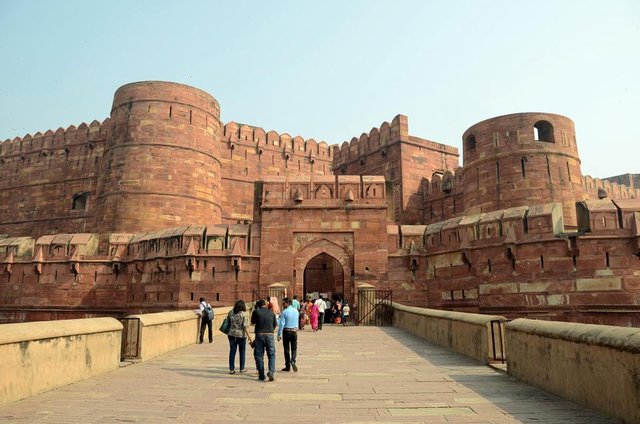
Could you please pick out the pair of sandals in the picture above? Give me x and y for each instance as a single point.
(234, 371)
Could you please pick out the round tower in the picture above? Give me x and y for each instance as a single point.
(522, 159)
(161, 166)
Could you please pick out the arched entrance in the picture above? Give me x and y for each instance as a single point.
(324, 267)
(324, 274)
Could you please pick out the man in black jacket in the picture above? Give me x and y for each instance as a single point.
(265, 323)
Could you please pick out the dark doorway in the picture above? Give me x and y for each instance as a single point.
(324, 275)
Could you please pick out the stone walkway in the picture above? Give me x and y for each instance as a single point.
(346, 375)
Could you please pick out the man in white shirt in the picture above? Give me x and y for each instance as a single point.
(321, 308)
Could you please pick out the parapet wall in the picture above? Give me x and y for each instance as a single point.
(595, 366)
(40, 356)
(166, 331)
(463, 333)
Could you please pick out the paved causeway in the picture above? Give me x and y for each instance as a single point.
(346, 375)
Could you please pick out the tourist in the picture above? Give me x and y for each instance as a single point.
(307, 307)
(321, 308)
(303, 317)
(265, 323)
(336, 312)
(346, 310)
(275, 306)
(295, 303)
(314, 317)
(206, 320)
(237, 335)
(287, 332)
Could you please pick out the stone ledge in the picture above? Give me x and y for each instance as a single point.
(41, 330)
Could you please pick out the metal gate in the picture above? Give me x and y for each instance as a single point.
(277, 292)
(130, 347)
(375, 307)
(498, 345)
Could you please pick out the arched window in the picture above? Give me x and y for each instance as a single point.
(471, 142)
(80, 201)
(543, 131)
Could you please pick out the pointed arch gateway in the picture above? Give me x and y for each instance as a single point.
(310, 259)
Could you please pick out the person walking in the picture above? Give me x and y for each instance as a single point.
(346, 310)
(295, 303)
(237, 335)
(313, 317)
(265, 323)
(288, 333)
(321, 308)
(303, 317)
(206, 320)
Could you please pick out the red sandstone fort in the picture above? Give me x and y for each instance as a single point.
(162, 203)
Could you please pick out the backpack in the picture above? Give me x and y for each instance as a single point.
(208, 312)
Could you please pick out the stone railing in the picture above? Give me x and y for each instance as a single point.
(40, 356)
(597, 366)
(464, 333)
(166, 331)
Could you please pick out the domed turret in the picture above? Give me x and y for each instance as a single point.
(522, 159)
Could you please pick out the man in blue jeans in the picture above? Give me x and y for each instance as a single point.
(287, 331)
(265, 323)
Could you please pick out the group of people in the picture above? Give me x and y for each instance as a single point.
(318, 311)
(265, 321)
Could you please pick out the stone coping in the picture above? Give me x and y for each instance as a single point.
(40, 330)
(477, 319)
(159, 318)
(620, 338)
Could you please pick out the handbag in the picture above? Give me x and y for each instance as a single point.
(226, 325)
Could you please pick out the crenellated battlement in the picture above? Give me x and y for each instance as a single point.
(376, 139)
(596, 188)
(257, 137)
(60, 139)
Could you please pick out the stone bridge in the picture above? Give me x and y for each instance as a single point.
(346, 375)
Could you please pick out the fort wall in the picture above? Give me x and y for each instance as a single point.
(161, 204)
(249, 154)
(520, 262)
(48, 181)
(91, 275)
(402, 159)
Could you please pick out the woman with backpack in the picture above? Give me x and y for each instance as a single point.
(237, 335)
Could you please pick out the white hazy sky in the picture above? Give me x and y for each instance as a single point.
(332, 69)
